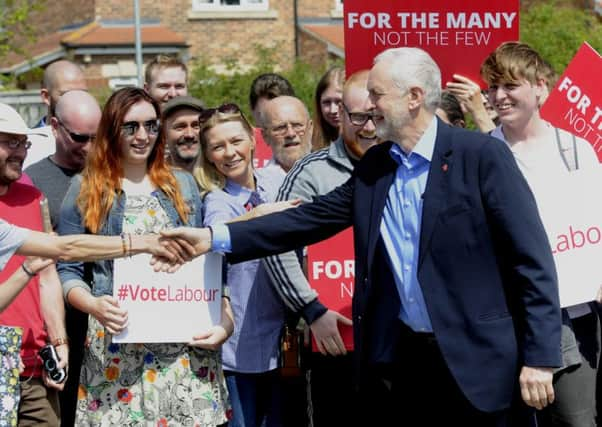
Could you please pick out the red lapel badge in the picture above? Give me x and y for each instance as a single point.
(444, 167)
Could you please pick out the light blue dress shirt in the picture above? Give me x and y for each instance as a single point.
(400, 226)
(259, 314)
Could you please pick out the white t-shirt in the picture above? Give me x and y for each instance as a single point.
(11, 238)
(541, 162)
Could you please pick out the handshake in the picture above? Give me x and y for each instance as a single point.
(174, 247)
(179, 245)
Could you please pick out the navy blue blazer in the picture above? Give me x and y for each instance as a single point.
(485, 266)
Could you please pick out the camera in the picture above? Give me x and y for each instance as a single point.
(50, 361)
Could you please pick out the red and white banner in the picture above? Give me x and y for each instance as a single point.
(263, 152)
(331, 271)
(459, 35)
(571, 213)
(575, 104)
(167, 307)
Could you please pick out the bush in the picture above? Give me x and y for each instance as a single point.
(557, 32)
(234, 85)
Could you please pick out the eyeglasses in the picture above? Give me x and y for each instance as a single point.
(224, 109)
(131, 128)
(358, 119)
(282, 129)
(15, 143)
(80, 138)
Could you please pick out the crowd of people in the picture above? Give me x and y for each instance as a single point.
(456, 313)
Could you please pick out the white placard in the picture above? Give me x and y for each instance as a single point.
(167, 307)
(571, 211)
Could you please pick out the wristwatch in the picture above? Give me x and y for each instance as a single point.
(60, 341)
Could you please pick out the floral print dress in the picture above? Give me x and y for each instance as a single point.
(148, 384)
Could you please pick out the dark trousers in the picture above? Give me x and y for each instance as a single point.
(255, 399)
(332, 390)
(576, 387)
(77, 326)
(423, 388)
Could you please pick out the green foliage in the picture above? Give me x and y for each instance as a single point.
(234, 84)
(15, 29)
(557, 32)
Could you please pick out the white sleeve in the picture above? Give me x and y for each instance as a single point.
(11, 238)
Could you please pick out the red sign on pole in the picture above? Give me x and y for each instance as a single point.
(263, 152)
(331, 271)
(459, 35)
(575, 104)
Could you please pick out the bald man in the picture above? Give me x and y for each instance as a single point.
(74, 125)
(287, 129)
(59, 78)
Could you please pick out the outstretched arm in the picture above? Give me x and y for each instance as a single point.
(85, 247)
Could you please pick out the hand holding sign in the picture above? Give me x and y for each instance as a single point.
(106, 309)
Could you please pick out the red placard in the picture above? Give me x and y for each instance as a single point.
(575, 103)
(263, 152)
(459, 35)
(331, 271)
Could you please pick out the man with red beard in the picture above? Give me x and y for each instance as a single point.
(314, 175)
(39, 308)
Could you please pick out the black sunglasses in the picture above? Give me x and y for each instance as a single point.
(131, 128)
(80, 138)
(224, 109)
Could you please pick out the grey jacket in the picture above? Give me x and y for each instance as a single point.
(316, 174)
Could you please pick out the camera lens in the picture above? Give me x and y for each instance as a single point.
(50, 365)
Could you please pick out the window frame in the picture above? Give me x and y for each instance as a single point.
(245, 5)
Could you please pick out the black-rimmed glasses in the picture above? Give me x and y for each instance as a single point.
(80, 138)
(15, 143)
(131, 128)
(358, 119)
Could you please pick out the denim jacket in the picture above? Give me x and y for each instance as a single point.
(72, 273)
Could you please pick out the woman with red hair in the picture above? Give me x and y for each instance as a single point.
(127, 188)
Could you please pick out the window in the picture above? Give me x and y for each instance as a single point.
(229, 5)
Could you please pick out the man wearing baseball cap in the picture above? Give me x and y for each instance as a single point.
(39, 308)
(180, 123)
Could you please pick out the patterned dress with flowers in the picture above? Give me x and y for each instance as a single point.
(148, 384)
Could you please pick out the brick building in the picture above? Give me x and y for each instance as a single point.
(99, 34)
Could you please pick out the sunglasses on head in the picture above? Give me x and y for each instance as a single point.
(224, 109)
(131, 128)
(80, 138)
